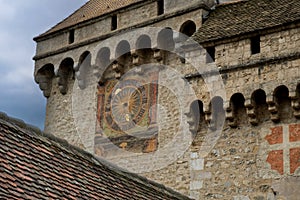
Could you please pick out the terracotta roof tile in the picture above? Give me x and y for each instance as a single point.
(229, 20)
(35, 165)
(90, 10)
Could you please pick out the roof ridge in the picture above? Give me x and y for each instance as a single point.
(20, 125)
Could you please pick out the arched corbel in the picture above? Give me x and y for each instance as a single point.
(207, 113)
(63, 81)
(118, 68)
(44, 78)
(137, 57)
(250, 108)
(229, 115)
(193, 126)
(96, 71)
(65, 71)
(158, 55)
(273, 108)
(295, 103)
(79, 75)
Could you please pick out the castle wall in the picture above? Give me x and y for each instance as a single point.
(131, 17)
(272, 45)
(82, 34)
(174, 5)
(93, 30)
(239, 164)
(52, 44)
(234, 161)
(192, 173)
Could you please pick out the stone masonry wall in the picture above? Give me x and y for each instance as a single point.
(252, 162)
(131, 17)
(52, 44)
(272, 45)
(253, 156)
(92, 30)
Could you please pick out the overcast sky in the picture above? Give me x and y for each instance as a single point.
(20, 21)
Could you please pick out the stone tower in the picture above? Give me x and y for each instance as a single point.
(198, 95)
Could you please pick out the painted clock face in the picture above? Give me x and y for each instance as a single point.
(126, 105)
(126, 114)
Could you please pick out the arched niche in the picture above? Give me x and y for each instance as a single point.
(122, 49)
(143, 52)
(296, 102)
(187, 29)
(195, 116)
(165, 40)
(83, 69)
(217, 113)
(123, 59)
(283, 102)
(237, 104)
(44, 78)
(103, 57)
(143, 42)
(102, 63)
(65, 73)
(258, 100)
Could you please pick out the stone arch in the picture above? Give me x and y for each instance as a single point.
(44, 77)
(83, 68)
(85, 57)
(298, 90)
(122, 48)
(195, 116)
(143, 52)
(143, 42)
(187, 29)
(283, 103)
(165, 39)
(123, 59)
(65, 73)
(103, 57)
(216, 108)
(102, 62)
(237, 105)
(259, 101)
(296, 102)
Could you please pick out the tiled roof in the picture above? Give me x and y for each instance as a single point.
(233, 19)
(92, 9)
(34, 165)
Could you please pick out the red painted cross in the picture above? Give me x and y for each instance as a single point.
(284, 141)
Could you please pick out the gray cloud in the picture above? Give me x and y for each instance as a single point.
(20, 21)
